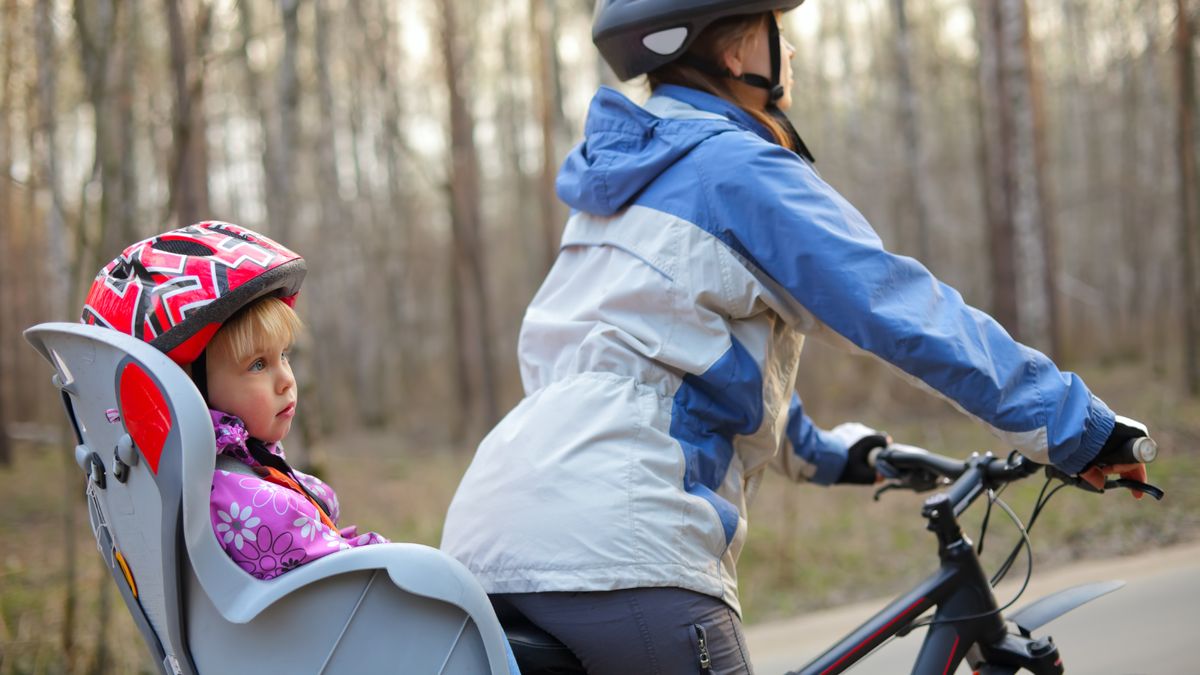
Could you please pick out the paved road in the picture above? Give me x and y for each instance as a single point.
(1158, 614)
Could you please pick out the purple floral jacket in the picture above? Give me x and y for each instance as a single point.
(266, 528)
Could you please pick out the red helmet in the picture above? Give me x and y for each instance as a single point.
(176, 289)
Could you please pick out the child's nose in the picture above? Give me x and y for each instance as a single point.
(286, 380)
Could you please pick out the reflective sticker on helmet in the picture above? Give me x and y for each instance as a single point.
(666, 42)
(145, 411)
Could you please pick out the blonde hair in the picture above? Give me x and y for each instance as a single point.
(717, 39)
(248, 331)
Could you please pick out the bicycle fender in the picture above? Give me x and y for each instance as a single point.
(1043, 611)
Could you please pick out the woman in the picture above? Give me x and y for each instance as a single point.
(660, 355)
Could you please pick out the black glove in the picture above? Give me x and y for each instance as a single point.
(858, 471)
(1113, 450)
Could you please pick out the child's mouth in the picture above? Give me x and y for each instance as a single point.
(289, 411)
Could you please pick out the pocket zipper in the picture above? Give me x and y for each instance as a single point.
(702, 641)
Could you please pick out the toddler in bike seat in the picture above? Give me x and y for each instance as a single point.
(218, 299)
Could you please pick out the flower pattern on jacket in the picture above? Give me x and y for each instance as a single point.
(265, 528)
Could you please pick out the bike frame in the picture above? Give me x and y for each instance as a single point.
(967, 622)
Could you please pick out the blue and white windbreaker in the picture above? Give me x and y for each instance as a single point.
(660, 357)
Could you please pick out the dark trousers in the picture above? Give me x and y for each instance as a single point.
(641, 630)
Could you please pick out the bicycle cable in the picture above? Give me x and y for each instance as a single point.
(1039, 505)
(1028, 544)
(993, 495)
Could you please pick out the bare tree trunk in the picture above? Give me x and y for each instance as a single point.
(273, 193)
(1189, 208)
(1022, 245)
(992, 134)
(8, 27)
(512, 115)
(189, 167)
(96, 25)
(392, 257)
(333, 215)
(1132, 205)
(288, 88)
(472, 320)
(852, 117)
(910, 131)
(544, 41)
(128, 216)
(5, 447)
(58, 260)
(59, 256)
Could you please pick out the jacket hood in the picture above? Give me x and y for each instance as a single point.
(626, 147)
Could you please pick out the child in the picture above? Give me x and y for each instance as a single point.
(217, 298)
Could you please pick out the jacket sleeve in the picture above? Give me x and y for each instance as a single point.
(814, 454)
(810, 453)
(775, 212)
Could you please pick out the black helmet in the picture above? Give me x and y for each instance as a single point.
(637, 36)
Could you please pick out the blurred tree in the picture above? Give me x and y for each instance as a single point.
(1189, 193)
(275, 169)
(8, 25)
(1022, 250)
(189, 164)
(476, 373)
(544, 23)
(57, 272)
(916, 178)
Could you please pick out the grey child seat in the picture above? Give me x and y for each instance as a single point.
(400, 608)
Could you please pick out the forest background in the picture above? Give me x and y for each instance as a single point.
(1038, 156)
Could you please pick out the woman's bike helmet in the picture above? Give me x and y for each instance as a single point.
(175, 290)
(637, 36)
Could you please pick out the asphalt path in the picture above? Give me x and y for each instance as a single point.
(1149, 627)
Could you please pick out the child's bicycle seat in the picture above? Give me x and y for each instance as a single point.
(145, 442)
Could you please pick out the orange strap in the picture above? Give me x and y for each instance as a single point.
(280, 478)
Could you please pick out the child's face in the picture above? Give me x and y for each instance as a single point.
(259, 389)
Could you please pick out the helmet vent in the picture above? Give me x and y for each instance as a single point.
(666, 42)
(182, 247)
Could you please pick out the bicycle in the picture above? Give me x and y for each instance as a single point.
(968, 622)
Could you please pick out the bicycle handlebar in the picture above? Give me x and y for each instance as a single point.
(921, 470)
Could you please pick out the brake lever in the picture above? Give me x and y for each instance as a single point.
(890, 485)
(1127, 483)
(916, 481)
(1130, 484)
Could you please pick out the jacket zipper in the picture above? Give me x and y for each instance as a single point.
(702, 642)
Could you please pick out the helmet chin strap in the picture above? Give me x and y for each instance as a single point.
(774, 87)
(199, 370)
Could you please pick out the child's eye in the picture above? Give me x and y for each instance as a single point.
(258, 364)
(283, 356)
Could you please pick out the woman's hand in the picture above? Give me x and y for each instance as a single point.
(1096, 475)
(1110, 460)
(859, 470)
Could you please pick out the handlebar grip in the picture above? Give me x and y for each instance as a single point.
(1141, 450)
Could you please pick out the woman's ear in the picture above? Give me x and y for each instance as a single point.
(734, 60)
